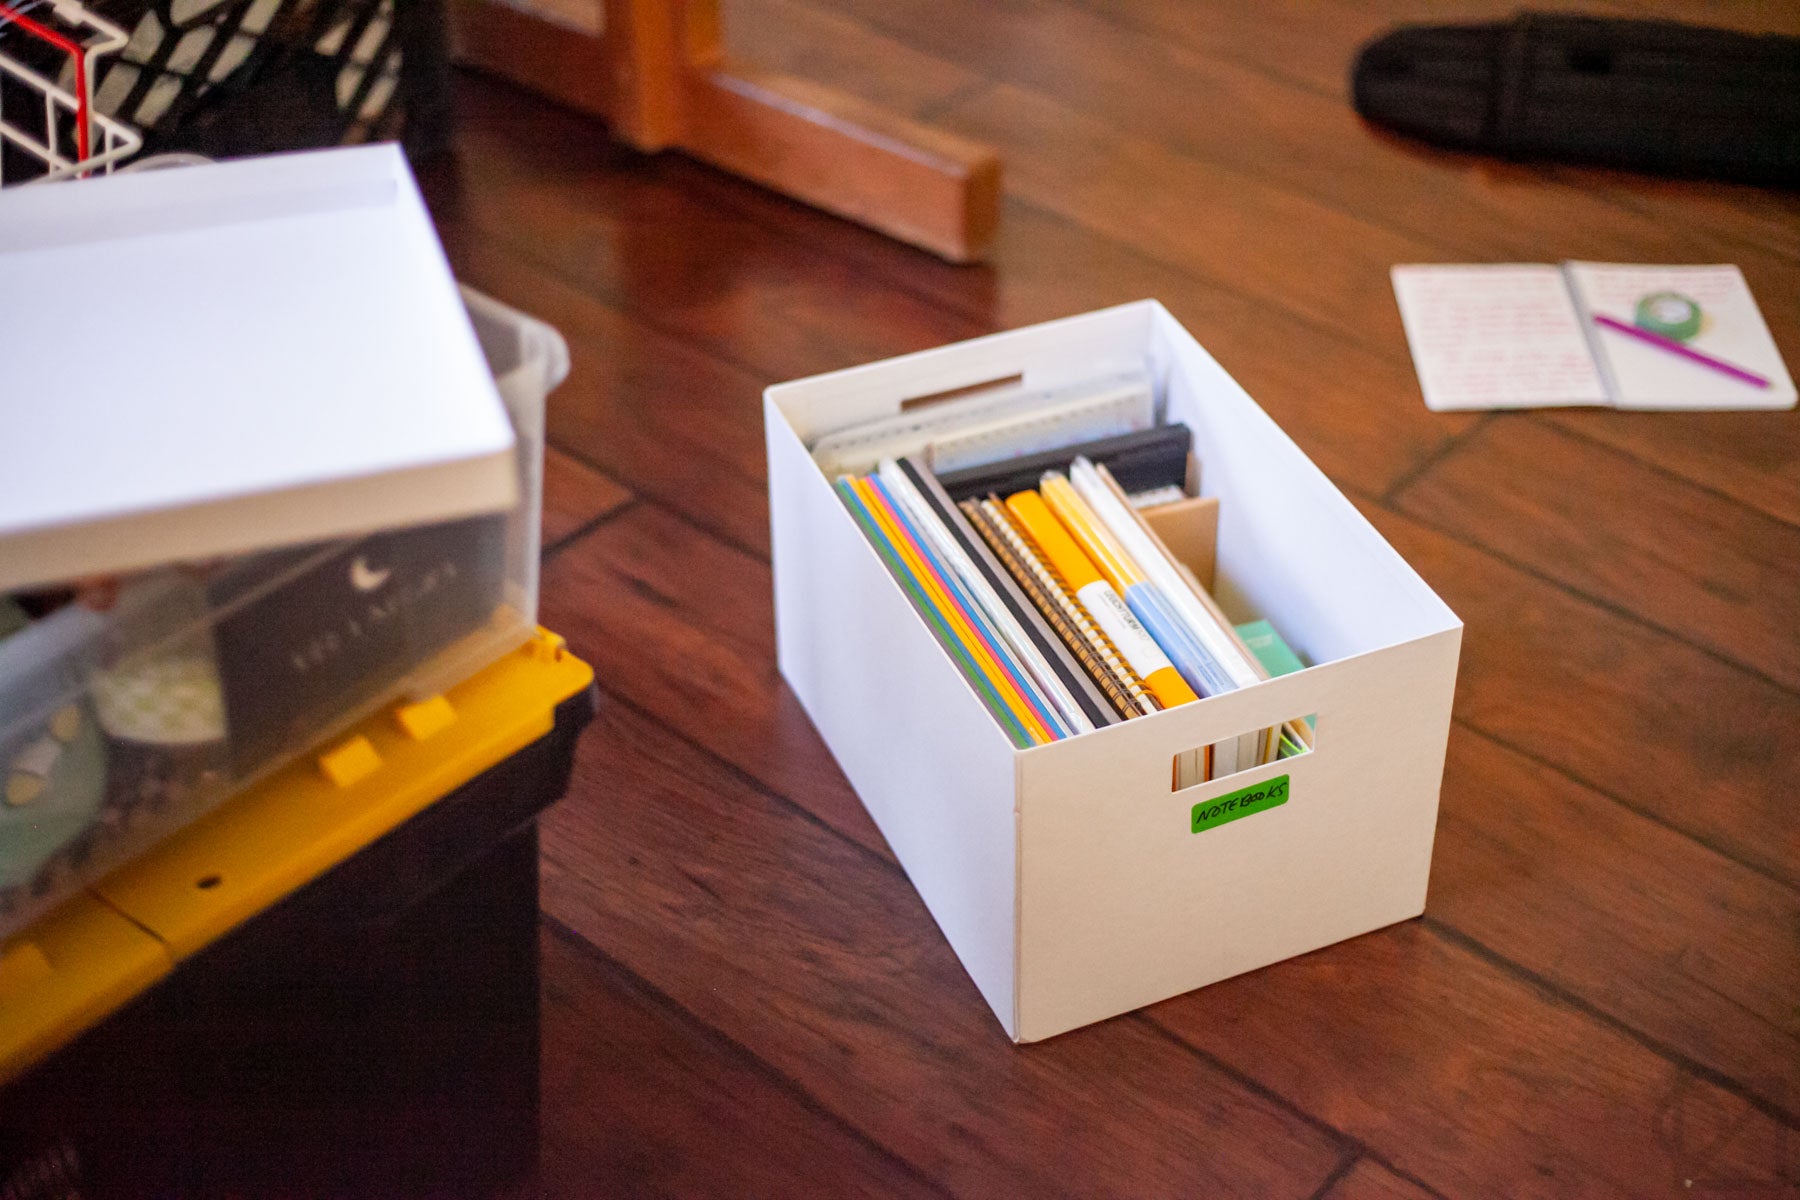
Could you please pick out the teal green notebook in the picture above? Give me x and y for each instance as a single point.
(1277, 658)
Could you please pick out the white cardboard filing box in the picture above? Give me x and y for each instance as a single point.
(1068, 877)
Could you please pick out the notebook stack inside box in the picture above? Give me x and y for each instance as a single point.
(1048, 583)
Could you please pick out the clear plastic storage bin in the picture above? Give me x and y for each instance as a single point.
(128, 707)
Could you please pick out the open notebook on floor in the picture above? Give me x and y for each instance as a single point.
(1523, 335)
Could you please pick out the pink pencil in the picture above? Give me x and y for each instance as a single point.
(1687, 352)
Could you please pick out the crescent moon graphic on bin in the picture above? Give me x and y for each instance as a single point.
(364, 578)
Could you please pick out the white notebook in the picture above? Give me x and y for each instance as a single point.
(1531, 335)
(205, 361)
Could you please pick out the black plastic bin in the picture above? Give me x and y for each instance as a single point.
(373, 1034)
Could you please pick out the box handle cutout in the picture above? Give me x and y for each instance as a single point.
(1206, 764)
(991, 385)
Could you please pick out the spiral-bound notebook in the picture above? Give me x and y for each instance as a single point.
(1523, 335)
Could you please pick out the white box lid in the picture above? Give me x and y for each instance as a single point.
(217, 359)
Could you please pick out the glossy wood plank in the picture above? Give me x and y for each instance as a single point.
(1199, 105)
(546, 186)
(667, 420)
(1469, 1079)
(1652, 721)
(1754, 458)
(783, 936)
(1746, 219)
(632, 1086)
(575, 495)
(1695, 952)
(786, 292)
(1045, 266)
(1259, 239)
(1603, 524)
(1751, 16)
(1284, 39)
(834, 48)
(1369, 1180)
(566, 60)
(683, 626)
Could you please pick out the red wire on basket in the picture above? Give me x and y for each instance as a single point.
(11, 15)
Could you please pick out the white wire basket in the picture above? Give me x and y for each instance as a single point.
(50, 125)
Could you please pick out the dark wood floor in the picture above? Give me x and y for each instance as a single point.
(744, 997)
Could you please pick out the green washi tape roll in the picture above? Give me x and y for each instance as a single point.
(1669, 313)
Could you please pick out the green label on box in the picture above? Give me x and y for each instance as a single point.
(1270, 793)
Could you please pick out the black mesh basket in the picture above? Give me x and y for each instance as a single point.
(232, 77)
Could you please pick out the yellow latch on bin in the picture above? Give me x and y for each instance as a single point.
(349, 761)
(419, 721)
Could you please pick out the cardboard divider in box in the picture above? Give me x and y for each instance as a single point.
(125, 717)
(1072, 879)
